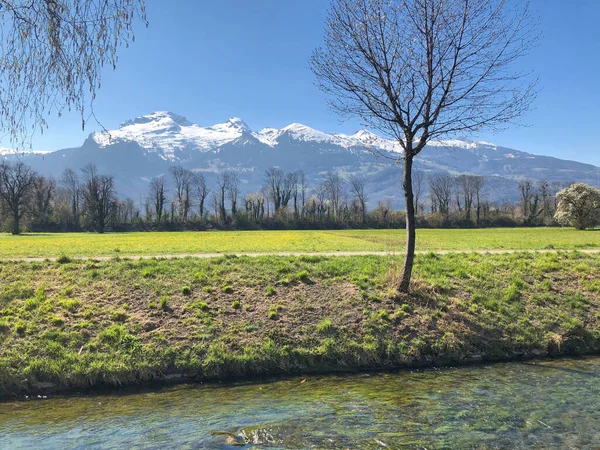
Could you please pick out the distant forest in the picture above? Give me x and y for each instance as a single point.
(182, 200)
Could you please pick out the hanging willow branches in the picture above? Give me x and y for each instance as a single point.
(51, 57)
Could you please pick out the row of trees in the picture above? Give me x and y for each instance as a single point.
(462, 200)
(284, 196)
(87, 200)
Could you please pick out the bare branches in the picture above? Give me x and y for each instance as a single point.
(157, 196)
(99, 196)
(52, 53)
(16, 186)
(421, 69)
(357, 184)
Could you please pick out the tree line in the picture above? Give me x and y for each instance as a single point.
(462, 201)
(87, 200)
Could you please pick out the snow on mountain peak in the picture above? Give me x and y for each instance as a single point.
(167, 133)
(158, 117)
(364, 134)
(461, 143)
(233, 123)
(304, 132)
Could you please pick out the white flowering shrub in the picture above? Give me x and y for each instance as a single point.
(578, 206)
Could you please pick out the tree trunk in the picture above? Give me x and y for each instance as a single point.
(363, 207)
(417, 204)
(15, 225)
(409, 255)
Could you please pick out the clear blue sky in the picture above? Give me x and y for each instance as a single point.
(209, 60)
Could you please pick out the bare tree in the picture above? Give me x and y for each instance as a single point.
(201, 191)
(223, 185)
(255, 206)
(183, 185)
(157, 196)
(233, 191)
(334, 186)
(215, 202)
(440, 190)
(320, 200)
(423, 69)
(547, 199)
(294, 178)
(469, 188)
(303, 187)
(42, 197)
(526, 190)
(16, 186)
(148, 209)
(70, 181)
(530, 202)
(266, 192)
(98, 193)
(125, 211)
(53, 52)
(280, 186)
(357, 184)
(478, 184)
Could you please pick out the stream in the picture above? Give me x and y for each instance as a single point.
(535, 404)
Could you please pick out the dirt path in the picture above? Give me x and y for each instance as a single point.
(255, 255)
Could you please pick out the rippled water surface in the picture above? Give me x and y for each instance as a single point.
(549, 404)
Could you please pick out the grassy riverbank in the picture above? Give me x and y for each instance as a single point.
(82, 323)
(48, 245)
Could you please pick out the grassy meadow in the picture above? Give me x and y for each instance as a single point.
(172, 243)
(72, 324)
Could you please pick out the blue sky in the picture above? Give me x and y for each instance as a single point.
(212, 59)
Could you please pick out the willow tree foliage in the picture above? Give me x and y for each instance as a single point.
(52, 53)
(418, 70)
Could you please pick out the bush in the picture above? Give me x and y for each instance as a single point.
(578, 206)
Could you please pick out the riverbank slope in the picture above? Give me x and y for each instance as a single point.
(66, 325)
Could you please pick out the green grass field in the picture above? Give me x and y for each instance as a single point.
(82, 323)
(171, 243)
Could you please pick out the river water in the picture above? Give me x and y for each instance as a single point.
(544, 404)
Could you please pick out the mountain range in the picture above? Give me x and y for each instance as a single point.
(149, 145)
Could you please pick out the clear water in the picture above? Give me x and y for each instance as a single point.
(549, 404)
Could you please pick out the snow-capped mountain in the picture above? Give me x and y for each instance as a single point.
(167, 134)
(149, 145)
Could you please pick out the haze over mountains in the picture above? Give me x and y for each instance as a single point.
(149, 145)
